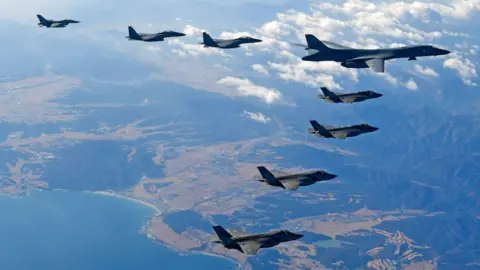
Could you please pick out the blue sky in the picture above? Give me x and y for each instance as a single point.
(265, 70)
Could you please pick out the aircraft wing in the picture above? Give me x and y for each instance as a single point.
(250, 247)
(291, 184)
(279, 173)
(150, 37)
(58, 24)
(233, 232)
(237, 233)
(224, 43)
(376, 64)
(340, 134)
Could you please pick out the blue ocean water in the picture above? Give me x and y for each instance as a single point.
(84, 231)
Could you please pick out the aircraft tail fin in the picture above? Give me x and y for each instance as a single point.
(43, 20)
(320, 129)
(132, 33)
(208, 41)
(331, 95)
(315, 44)
(267, 175)
(224, 236)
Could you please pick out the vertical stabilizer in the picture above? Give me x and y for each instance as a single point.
(224, 236)
(316, 44)
(331, 95)
(320, 129)
(132, 34)
(42, 20)
(208, 41)
(267, 175)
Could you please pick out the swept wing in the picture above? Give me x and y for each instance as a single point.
(250, 247)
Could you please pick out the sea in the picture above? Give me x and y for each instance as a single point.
(85, 231)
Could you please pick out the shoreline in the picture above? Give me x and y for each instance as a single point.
(111, 194)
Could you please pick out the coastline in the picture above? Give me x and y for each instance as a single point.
(111, 194)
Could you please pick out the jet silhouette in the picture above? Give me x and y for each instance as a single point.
(364, 58)
(291, 181)
(330, 96)
(250, 244)
(325, 131)
(133, 35)
(227, 43)
(52, 23)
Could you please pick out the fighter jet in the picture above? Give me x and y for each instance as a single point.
(52, 23)
(133, 35)
(330, 96)
(227, 43)
(325, 131)
(249, 244)
(364, 58)
(291, 181)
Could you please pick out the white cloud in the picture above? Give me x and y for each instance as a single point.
(411, 84)
(259, 117)
(261, 69)
(179, 53)
(154, 48)
(425, 71)
(465, 68)
(246, 88)
(195, 49)
(190, 30)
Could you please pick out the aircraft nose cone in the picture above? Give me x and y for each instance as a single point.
(379, 95)
(331, 176)
(443, 52)
(297, 236)
(180, 34)
(374, 128)
(255, 40)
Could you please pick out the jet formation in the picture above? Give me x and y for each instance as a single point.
(291, 181)
(52, 23)
(250, 244)
(333, 97)
(319, 51)
(133, 35)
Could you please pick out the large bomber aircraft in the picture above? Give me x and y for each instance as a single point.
(364, 58)
(250, 244)
(291, 181)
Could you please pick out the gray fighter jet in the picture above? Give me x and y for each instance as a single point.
(249, 244)
(227, 43)
(364, 58)
(325, 131)
(133, 35)
(52, 23)
(330, 96)
(291, 181)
